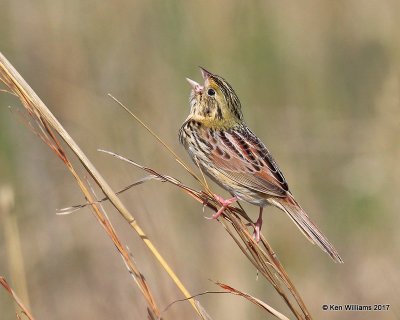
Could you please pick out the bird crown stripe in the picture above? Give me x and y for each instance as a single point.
(230, 96)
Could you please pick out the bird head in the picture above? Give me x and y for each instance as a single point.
(214, 103)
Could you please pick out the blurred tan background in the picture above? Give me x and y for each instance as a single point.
(319, 83)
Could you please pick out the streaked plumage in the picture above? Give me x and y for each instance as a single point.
(218, 140)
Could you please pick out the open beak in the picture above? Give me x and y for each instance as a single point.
(195, 86)
(206, 74)
(198, 88)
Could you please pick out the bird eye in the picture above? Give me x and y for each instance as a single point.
(211, 92)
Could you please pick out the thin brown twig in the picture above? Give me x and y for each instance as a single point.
(126, 256)
(68, 210)
(252, 299)
(24, 309)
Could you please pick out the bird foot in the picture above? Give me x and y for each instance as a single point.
(225, 204)
(257, 228)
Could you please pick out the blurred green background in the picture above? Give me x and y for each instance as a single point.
(319, 84)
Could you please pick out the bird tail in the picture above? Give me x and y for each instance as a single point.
(307, 227)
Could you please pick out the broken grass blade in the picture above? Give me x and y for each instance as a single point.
(252, 299)
(69, 210)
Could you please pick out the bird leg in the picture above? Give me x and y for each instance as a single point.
(225, 204)
(257, 226)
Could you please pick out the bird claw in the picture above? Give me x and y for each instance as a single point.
(225, 204)
(256, 232)
(257, 228)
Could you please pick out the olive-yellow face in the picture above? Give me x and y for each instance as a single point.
(214, 103)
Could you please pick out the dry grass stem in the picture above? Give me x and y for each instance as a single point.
(15, 259)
